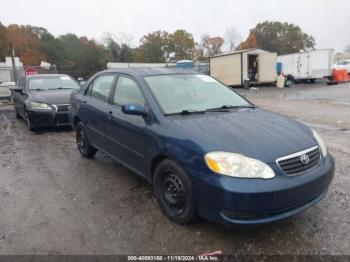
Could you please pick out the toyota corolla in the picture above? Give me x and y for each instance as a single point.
(206, 149)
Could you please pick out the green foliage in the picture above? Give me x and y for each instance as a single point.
(282, 38)
(154, 47)
(125, 53)
(181, 43)
(160, 47)
(4, 45)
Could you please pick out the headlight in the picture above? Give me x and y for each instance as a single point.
(36, 105)
(320, 142)
(237, 165)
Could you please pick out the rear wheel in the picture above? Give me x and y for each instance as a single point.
(85, 148)
(174, 192)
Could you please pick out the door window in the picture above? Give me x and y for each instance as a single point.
(127, 92)
(101, 87)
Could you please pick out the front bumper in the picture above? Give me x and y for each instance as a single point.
(228, 200)
(48, 118)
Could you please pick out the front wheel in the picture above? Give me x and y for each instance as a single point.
(28, 121)
(85, 148)
(16, 113)
(174, 192)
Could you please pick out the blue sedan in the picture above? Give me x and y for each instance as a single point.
(206, 150)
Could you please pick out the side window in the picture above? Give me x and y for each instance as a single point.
(101, 87)
(127, 92)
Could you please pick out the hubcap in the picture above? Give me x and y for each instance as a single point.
(174, 193)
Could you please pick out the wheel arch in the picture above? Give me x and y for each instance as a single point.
(76, 120)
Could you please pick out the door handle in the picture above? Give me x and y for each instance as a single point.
(110, 113)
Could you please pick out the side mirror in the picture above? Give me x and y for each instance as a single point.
(134, 109)
(82, 83)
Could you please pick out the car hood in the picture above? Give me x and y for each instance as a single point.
(51, 96)
(254, 133)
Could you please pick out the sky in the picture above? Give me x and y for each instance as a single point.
(327, 20)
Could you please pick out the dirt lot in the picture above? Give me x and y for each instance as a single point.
(53, 201)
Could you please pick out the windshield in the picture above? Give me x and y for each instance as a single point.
(52, 83)
(187, 92)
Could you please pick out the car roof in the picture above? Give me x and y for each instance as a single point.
(45, 75)
(151, 71)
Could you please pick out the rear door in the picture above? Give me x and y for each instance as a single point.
(127, 133)
(267, 67)
(303, 65)
(94, 109)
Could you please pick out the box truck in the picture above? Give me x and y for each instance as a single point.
(308, 65)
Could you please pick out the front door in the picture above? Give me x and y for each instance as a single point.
(267, 67)
(127, 133)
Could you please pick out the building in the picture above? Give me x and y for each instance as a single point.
(255, 65)
(6, 69)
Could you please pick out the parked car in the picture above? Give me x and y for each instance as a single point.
(43, 100)
(5, 88)
(205, 149)
(345, 64)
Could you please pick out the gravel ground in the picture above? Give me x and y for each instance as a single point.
(53, 201)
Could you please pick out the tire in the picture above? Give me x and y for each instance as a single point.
(29, 123)
(16, 113)
(173, 190)
(84, 146)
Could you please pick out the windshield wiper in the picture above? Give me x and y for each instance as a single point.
(186, 112)
(225, 108)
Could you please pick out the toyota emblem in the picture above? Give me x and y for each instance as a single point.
(305, 159)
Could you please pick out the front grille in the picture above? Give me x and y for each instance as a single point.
(61, 108)
(300, 162)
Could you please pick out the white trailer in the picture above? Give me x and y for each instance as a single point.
(309, 65)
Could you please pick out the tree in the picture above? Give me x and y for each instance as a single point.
(154, 47)
(232, 38)
(282, 38)
(54, 48)
(181, 43)
(113, 49)
(215, 45)
(125, 53)
(202, 48)
(4, 45)
(249, 43)
(27, 45)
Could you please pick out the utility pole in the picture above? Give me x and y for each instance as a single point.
(13, 63)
